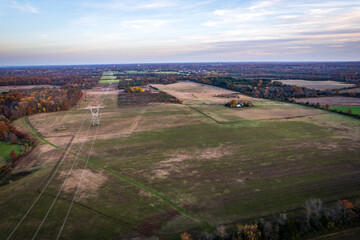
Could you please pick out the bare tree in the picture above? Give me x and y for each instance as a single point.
(313, 207)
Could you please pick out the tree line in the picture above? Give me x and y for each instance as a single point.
(316, 219)
(80, 77)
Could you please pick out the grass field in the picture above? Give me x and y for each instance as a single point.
(5, 149)
(354, 109)
(162, 169)
(109, 81)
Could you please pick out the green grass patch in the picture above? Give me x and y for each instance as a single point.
(109, 81)
(108, 78)
(136, 72)
(5, 149)
(354, 109)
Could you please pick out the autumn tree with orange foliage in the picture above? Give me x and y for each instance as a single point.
(249, 232)
(13, 155)
(185, 236)
(16, 104)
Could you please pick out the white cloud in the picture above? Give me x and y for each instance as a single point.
(144, 24)
(24, 7)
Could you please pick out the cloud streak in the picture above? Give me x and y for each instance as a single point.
(24, 7)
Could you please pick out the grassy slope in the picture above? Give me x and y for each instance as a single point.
(5, 149)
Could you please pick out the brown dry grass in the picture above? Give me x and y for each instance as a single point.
(90, 183)
(191, 91)
(177, 161)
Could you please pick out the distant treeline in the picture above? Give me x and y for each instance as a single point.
(80, 77)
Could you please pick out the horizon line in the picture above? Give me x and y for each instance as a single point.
(143, 63)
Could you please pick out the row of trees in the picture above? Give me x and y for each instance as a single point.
(234, 103)
(327, 108)
(11, 134)
(134, 90)
(315, 220)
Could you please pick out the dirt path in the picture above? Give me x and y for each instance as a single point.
(136, 122)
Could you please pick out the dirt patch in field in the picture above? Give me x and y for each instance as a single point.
(332, 101)
(175, 161)
(121, 128)
(90, 183)
(201, 154)
(159, 173)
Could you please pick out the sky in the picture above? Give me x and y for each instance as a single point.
(49, 32)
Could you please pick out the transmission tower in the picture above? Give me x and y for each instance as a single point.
(95, 110)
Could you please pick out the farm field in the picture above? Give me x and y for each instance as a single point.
(332, 101)
(162, 169)
(316, 84)
(5, 149)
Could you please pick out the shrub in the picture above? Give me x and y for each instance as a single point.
(249, 232)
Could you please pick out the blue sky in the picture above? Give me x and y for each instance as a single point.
(140, 31)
